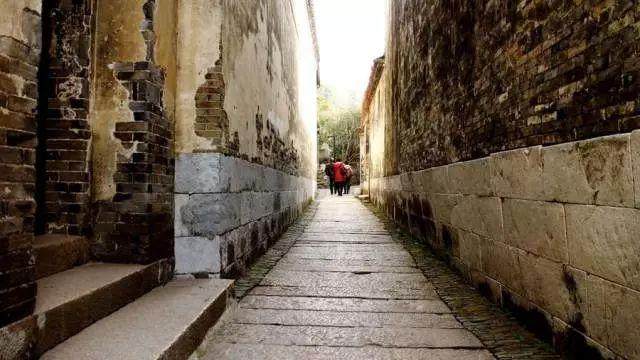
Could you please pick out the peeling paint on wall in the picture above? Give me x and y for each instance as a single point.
(199, 28)
(118, 39)
(260, 60)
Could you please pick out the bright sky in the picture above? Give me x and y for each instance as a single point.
(351, 34)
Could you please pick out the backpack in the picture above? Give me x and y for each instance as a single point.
(349, 172)
(344, 171)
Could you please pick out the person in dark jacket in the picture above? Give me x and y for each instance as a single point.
(328, 170)
(340, 176)
(349, 175)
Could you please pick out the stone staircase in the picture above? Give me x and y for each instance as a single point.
(92, 310)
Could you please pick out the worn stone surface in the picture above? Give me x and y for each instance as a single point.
(589, 172)
(261, 351)
(536, 226)
(530, 250)
(211, 214)
(344, 308)
(241, 205)
(603, 240)
(518, 173)
(197, 254)
(499, 331)
(201, 173)
(338, 309)
(470, 177)
(72, 300)
(481, 215)
(196, 304)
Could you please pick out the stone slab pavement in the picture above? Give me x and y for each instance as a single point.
(344, 290)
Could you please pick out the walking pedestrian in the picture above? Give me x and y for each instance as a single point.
(328, 171)
(347, 182)
(340, 175)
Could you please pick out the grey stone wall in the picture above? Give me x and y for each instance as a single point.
(549, 232)
(228, 211)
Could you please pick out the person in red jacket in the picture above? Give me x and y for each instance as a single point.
(340, 175)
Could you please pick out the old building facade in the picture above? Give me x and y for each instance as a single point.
(149, 136)
(503, 134)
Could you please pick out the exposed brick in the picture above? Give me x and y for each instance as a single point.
(512, 74)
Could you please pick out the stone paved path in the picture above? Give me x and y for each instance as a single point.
(344, 289)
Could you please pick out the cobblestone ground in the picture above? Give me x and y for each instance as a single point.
(339, 285)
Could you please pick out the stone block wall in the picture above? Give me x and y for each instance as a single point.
(20, 47)
(245, 129)
(550, 232)
(501, 132)
(229, 211)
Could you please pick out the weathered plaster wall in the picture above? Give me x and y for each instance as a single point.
(118, 39)
(246, 85)
(545, 230)
(20, 47)
(16, 22)
(132, 112)
(199, 36)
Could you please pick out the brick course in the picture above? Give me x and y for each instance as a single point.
(137, 225)
(18, 94)
(473, 78)
(65, 135)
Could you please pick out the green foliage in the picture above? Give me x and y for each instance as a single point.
(338, 126)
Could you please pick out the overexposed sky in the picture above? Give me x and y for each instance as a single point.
(351, 34)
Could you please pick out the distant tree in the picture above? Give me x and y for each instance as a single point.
(338, 127)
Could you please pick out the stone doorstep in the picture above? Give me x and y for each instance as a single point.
(167, 323)
(70, 301)
(55, 253)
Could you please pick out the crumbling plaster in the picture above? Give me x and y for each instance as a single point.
(118, 39)
(261, 60)
(17, 26)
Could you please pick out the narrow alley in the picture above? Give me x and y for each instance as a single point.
(347, 290)
(163, 166)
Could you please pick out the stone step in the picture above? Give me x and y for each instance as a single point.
(167, 323)
(69, 301)
(55, 253)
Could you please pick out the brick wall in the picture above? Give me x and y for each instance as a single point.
(65, 135)
(475, 77)
(19, 57)
(501, 133)
(211, 119)
(136, 226)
